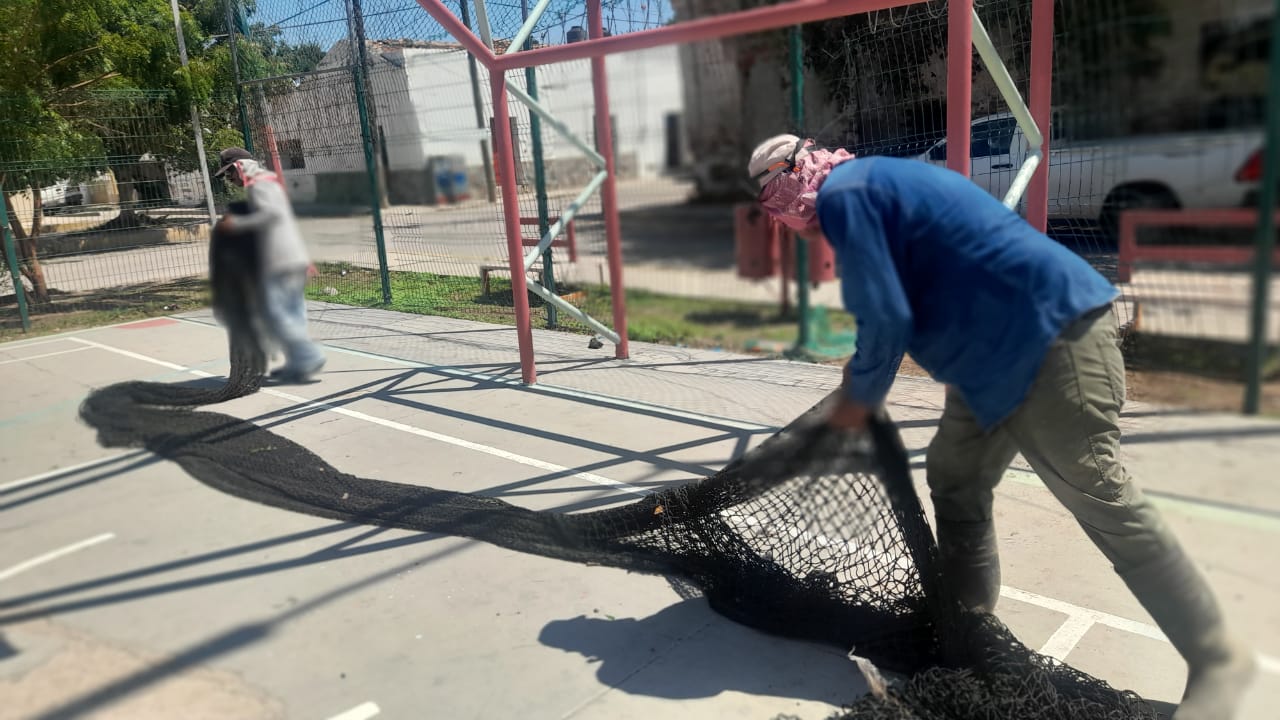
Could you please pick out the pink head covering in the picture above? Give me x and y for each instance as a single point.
(789, 189)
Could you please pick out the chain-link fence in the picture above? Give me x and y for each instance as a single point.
(382, 127)
(108, 215)
(1157, 105)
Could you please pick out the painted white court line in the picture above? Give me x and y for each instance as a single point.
(1095, 616)
(1077, 614)
(363, 711)
(540, 387)
(44, 355)
(1066, 637)
(53, 555)
(139, 356)
(108, 460)
(1268, 664)
(1017, 475)
(69, 334)
(398, 426)
(560, 391)
(20, 344)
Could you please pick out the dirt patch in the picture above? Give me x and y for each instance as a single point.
(1199, 393)
(107, 238)
(75, 311)
(52, 666)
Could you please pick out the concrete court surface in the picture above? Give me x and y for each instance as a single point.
(130, 590)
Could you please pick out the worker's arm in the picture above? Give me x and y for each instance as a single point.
(854, 223)
(267, 210)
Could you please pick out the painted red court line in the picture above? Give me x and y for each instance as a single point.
(155, 322)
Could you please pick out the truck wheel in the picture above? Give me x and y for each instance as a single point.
(1133, 197)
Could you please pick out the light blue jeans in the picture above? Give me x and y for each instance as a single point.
(285, 321)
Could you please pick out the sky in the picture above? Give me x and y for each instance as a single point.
(324, 21)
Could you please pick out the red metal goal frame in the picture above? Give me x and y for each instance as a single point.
(597, 46)
(1131, 252)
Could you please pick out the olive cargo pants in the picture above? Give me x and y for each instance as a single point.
(1067, 429)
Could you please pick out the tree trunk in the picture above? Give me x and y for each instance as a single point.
(129, 201)
(29, 258)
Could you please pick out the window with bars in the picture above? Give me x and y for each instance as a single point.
(291, 155)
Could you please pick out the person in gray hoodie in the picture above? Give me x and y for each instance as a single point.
(283, 262)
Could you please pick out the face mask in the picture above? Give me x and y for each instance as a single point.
(792, 197)
(784, 198)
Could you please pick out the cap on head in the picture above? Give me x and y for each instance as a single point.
(767, 161)
(228, 157)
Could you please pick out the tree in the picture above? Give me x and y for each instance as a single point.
(262, 53)
(93, 85)
(65, 63)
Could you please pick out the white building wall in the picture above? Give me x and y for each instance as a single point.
(644, 87)
(424, 105)
(439, 90)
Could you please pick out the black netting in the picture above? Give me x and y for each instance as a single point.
(815, 534)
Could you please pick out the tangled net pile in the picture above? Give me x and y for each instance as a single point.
(814, 534)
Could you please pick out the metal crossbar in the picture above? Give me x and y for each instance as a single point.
(961, 21)
(1017, 106)
(571, 210)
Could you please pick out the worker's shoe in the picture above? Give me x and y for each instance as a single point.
(299, 372)
(1220, 666)
(970, 563)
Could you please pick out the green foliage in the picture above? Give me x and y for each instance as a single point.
(87, 85)
(651, 317)
(76, 77)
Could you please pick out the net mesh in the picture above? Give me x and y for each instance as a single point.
(815, 534)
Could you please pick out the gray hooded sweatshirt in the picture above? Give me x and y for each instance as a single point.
(271, 216)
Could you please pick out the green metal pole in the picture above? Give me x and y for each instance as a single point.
(235, 68)
(12, 256)
(539, 177)
(370, 158)
(1266, 231)
(803, 341)
(486, 151)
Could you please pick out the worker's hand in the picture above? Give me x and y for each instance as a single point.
(223, 224)
(849, 415)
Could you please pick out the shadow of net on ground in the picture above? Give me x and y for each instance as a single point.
(815, 535)
(653, 656)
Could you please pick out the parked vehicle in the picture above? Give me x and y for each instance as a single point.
(63, 194)
(1095, 180)
(60, 194)
(901, 147)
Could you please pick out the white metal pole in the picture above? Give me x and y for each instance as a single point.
(556, 124)
(566, 217)
(195, 117)
(482, 23)
(572, 310)
(1022, 179)
(1004, 82)
(534, 17)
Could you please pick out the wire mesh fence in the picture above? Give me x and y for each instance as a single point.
(107, 215)
(382, 126)
(1139, 122)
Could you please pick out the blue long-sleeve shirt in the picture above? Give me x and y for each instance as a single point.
(933, 265)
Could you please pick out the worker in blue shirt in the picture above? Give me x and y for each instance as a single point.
(1022, 333)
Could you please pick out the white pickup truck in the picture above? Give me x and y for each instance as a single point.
(1094, 180)
(62, 194)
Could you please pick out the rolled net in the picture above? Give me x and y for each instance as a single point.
(815, 534)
